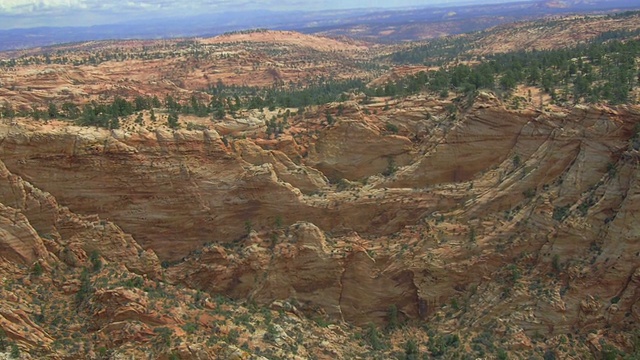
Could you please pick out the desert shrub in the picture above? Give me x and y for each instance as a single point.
(392, 128)
(560, 213)
(372, 336)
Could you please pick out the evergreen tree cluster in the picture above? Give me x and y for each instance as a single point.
(318, 92)
(108, 115)
(105, 115)
(179, 49)
(604, 70)
(435, 53)
(275, 127)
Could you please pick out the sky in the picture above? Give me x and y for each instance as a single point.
(35, 13)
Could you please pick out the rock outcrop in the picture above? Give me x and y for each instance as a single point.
(343, 282)
(355, 149)
(305, 178)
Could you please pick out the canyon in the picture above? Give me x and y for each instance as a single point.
(467, 224)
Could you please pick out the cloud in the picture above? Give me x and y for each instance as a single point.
(41, 7)
(38, 7)
(30, 13)
(31, 6)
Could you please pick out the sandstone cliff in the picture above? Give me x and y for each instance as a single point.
(516, 223)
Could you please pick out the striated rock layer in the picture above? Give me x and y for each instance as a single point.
(518, 221)
(176, 192)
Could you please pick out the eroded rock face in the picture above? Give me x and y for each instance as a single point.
(176, 189)
(38, 238)
(37, 226)
(14, 319)
(487, 136)
(356, 149)
(19, 241)
(305, 178)
(175, 192)
(518, 216)
(372, 286)
(343, 282)
(117, 308)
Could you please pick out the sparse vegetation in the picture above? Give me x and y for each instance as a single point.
(560, 212)
(373, 338)
(391, 167)
(37, 270)
(555, 262)
(392, 318)
(3, 340)
(392, 128)
(529, 193)
(94, 257)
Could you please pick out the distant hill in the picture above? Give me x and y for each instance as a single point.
(372, 24)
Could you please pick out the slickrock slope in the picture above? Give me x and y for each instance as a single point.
(97, 70)
(318, 43)
(552, 33)
(40, 237)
